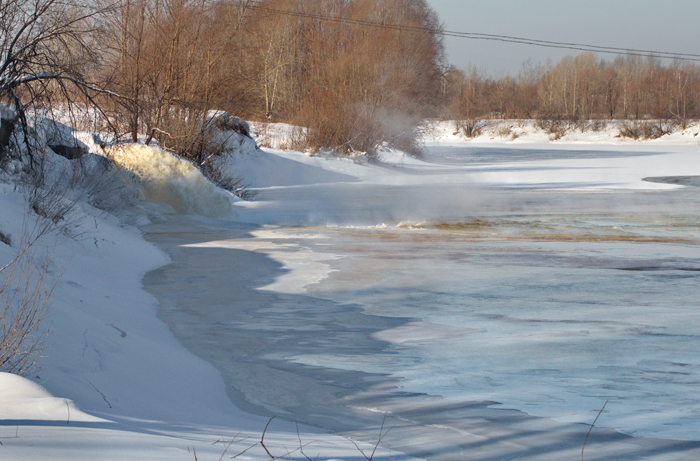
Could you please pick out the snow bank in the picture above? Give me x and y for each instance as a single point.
(263, 168)
(112, 382)
(21, 398)
(278, 136)
(514, 132)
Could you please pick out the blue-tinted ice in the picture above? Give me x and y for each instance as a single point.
(549, 300)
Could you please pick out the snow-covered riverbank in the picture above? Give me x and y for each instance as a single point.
(144, 396)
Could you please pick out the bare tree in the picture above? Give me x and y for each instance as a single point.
(172, 62)
(44, 55)
(319, 66)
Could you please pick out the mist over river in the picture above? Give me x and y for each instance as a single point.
(458, 305)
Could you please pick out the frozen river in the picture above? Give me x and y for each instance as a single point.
(485, 299)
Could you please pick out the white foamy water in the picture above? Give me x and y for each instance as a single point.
(165, 178)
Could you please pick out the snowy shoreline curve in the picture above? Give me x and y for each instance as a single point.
(120, 386)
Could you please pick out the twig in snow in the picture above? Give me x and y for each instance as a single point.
(301, 447)
(591, 428)
(272, 457)
(382, 434)
(228, 446)
(262, 439)
(104, 397)
(239, 454)
(15, 437)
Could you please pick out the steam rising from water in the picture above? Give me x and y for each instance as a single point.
(168, 179)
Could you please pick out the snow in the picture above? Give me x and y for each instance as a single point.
(527, 132)
(274, 168)
(113, 382)
(24, 399)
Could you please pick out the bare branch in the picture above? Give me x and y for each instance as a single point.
(262, 439)
(591, 428)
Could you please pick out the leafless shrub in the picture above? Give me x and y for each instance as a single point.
(470, 128)
(226, 122)
(647, 129)
(287, 454)
(57, 189)
(667, 127)
(50, 202)
(684, 123)
(591, 428)
(581, 125)
(556, 129)
(26, 290)
(263, 134)
(203, 139)
(346, 129)
(188, 133)
(234, 184)
(405, 138)
(598, 125)
(280, 137)
(504, 130)
(630, 129)
(219, 135)
(102, 186)
(382, 434)
(296, 140)
(24, 297)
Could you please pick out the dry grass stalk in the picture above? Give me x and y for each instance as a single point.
(591, 428)
(24, 297)
(26, 290)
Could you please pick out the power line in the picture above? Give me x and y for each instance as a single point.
(259, 5)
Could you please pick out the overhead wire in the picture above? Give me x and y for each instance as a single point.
(260, 6)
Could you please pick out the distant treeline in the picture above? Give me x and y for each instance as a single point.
(581, 87)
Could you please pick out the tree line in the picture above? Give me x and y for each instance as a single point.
(356, 73)
(581, 87)
(302, 62)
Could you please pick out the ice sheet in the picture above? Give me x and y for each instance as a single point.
(550, 328)
(446, 290)
(585, 292)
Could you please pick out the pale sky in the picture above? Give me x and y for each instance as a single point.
(670, 25)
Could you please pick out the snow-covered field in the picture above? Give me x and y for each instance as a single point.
(545, 276)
